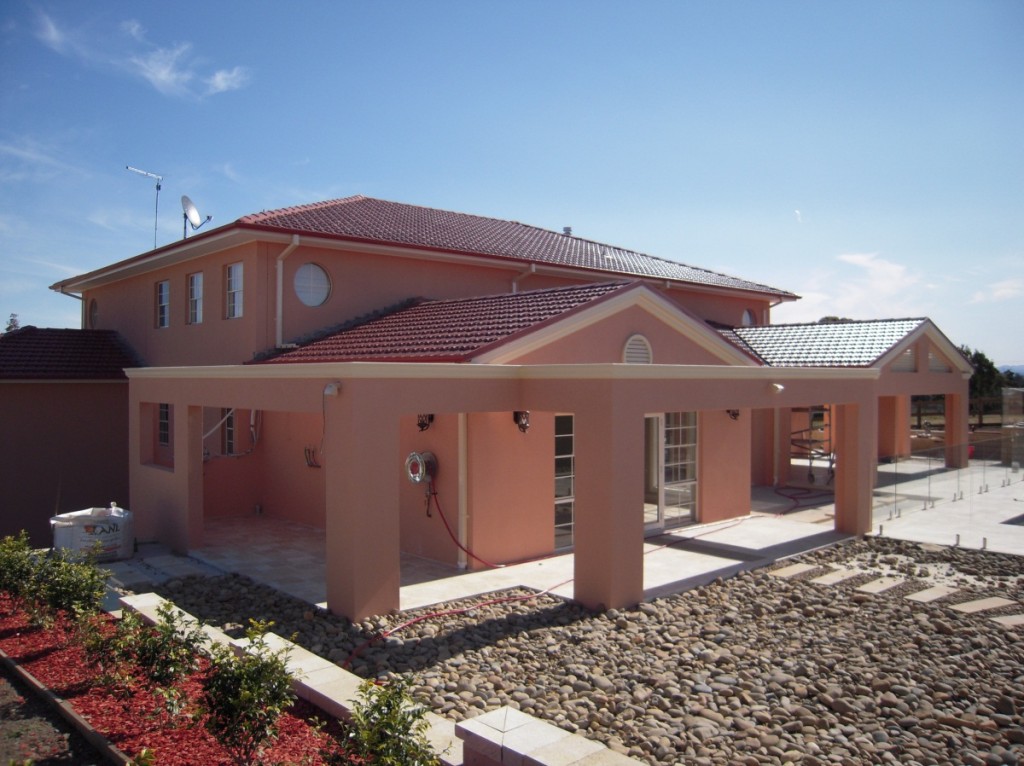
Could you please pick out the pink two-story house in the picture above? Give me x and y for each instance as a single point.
(574, 395)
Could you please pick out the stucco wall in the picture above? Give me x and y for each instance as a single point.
(723, 463)
(511, 487)
(65, 449)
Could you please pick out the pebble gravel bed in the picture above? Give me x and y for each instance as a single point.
(755, 669)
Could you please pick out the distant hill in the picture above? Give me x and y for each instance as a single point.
(1017, 368)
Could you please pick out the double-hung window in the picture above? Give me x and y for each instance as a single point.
(195, 298)
(233, 291)
(163, 304)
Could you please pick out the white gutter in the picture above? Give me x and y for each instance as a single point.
(279, 319)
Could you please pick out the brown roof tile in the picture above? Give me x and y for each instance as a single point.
(449, 330)
(376, 220)
(33, 353)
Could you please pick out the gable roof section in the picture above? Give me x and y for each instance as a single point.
(376, 220)
(453, 330)
(837, 344)
(32, 353)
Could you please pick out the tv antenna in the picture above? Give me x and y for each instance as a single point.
(190, 215)
(156, 207)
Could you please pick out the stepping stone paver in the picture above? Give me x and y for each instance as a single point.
(932, 594)
(881, 585)
(1010, 620)
(792, 570)
(836, 576)
(982, 605)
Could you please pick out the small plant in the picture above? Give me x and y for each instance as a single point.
(63, 582)
(162, 654)
(168, 651)
(243, 696)
(16, 565)
(388, 728)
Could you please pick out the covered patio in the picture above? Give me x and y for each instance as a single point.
(363, 406)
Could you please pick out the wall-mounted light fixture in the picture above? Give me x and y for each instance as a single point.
(778, 388)
(424, 420)
(522, 419)
(734, 414)
(332, 389)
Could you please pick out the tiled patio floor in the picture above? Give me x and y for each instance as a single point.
(290, 557)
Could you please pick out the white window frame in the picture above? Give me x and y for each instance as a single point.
(163, 425)
(195, 298)
(565, 483)
(162, 301)
(228, 432)
(312, 284)
(233, 291)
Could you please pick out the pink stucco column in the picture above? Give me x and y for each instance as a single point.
(363, 471)
(957, 434)
(609, 526)
(185, 530)
(856, 440)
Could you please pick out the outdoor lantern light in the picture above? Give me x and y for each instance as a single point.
(734, 414)
(423, 421)
(778, 388)
(522, 419)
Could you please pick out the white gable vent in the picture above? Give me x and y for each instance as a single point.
(937, 364)
(637, 351)
(905, 362)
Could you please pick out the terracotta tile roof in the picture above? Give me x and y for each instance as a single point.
(33, 353)
(449, 330)
(366, 218)
(839, 344)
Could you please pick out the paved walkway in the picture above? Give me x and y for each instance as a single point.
(973, 508)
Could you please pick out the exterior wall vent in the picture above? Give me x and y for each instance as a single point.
(905, 362)
(637, 351)
(937, 363)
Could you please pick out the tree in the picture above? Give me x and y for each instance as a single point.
(987, 380)
(12, 323)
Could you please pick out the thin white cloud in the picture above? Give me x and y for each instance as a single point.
(227, 79)
(173, 70)
(27, 161)
(860, 286)
(166, 69)
(134, 29)
(1003, 290)
(50, 34)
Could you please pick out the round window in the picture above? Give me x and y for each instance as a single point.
(312, 285)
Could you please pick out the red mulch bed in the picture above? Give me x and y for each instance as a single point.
(134, 719)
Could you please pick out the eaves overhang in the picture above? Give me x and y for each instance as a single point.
(239, 233)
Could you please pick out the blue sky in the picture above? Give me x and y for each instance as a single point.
(868, 156)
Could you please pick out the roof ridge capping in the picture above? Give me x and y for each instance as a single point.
(777, 325)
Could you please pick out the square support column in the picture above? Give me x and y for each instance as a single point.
(185, 531)
(364, 468)
(609, 525)
(957, 434)
(856, 440)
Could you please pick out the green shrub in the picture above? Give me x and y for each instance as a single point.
(387, 728)
(16, 565)
(65, 582)
(244, 695)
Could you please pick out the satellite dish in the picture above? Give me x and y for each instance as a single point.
(191, 215)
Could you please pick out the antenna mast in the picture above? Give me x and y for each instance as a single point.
(156, 207)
